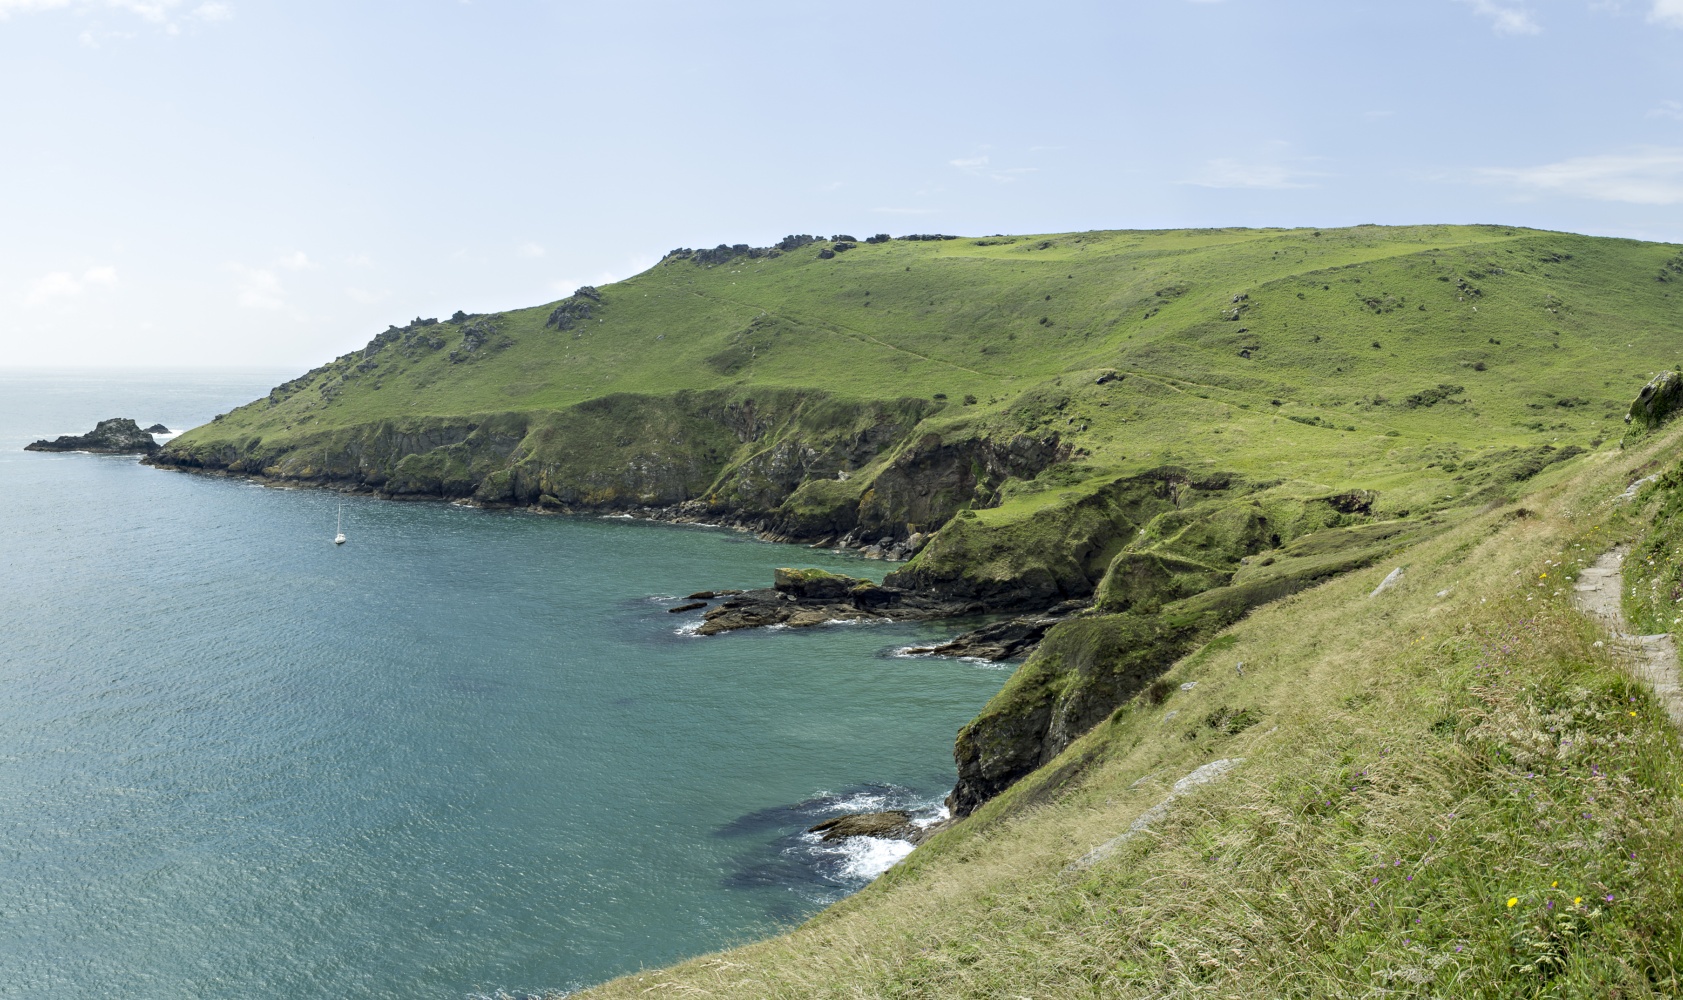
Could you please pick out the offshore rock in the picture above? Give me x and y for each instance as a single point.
(117, 436)
(893, 824)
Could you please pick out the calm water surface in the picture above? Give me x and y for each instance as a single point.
(468, 752)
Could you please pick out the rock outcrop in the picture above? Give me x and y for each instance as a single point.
(117, 436)
(800, 598)
(1655, 404)
(893, 824)
(1002, 640)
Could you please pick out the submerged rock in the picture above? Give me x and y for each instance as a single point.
(117, 436)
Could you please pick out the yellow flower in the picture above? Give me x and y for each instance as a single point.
(1554, 885)
(1513, 901)
(1578, 901)
(1633, 713)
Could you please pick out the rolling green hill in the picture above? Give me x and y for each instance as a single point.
(1211, 438)
(1370, 356)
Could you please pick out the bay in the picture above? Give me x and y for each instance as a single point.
(467, 753)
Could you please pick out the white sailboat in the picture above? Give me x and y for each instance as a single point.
(339, 527)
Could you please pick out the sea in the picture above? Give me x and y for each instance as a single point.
(467, 754)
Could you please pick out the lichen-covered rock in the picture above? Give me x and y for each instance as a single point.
(1655, 404)
(117, 436)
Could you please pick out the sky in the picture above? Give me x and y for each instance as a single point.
(269, 183)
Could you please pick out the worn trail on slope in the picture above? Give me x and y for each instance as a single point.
(1653, 658)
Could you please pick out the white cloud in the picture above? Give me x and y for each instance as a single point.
(531, 250)
(1650, 176)
(159, 12)
(10, 7)
(63, 284)
(298, 260)
(981, 166)
(1668, 109)
(1269, 175)
(1668, 12)
(1510, 18)
(367, 296)
(255, 287)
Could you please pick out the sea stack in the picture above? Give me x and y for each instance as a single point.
(117, 436)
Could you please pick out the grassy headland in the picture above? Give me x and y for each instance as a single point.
(1184, 429)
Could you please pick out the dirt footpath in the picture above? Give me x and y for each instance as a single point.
(1652, 658)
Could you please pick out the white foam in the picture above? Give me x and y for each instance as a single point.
(857, 803)
(868, 857)
(688, 628)
(618, 517)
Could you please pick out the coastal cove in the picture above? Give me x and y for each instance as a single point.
(468, 752)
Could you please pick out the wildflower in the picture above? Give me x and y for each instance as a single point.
(1609, 897)
(1579, 901)
(1513, 901)
(1554, 885)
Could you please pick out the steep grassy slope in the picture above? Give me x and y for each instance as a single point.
(1444, 789)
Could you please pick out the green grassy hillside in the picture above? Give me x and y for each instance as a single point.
(1447, 789)
(1393, 359)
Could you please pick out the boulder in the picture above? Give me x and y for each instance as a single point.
(1657, 401)
(117, 436)
(157, 429)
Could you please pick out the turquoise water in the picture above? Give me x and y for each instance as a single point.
(467, 752)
